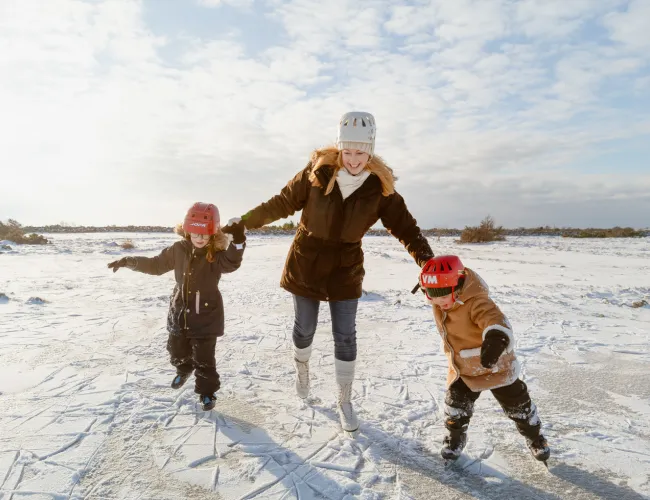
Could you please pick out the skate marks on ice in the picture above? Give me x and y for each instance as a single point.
(486, 472)
(228, 452)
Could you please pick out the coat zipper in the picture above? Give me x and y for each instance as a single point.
(186, 285)
(451, 349)
(197, 301)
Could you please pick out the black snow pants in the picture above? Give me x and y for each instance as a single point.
(198, 355)
(513, 398)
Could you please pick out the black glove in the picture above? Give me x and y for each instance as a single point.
(123, 262)
(493, 346)
(237, 229)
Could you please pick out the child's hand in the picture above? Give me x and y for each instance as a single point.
(493, 346)
(123, 262)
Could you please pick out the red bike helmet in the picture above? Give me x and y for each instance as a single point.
(441, 275)
(202, 218)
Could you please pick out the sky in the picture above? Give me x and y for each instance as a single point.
(536, 112)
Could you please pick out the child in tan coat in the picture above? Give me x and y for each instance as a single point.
(479, 345)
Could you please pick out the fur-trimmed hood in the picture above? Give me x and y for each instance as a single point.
(332, 156)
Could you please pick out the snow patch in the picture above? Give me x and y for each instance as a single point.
(370, 296)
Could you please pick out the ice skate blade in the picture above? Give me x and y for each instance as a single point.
(351, 434)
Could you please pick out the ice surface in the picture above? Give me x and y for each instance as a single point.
(87, 411)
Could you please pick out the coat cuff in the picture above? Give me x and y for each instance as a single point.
(507, 331)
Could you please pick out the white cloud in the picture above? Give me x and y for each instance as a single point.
(334, 27)
(243, 4)
(630, 27)
(553, 19)
(92, 111)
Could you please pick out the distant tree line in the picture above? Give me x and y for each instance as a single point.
(486, 231)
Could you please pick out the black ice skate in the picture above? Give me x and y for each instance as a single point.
(207, 401)
(180, 379)
(453, 445)
(539, 448)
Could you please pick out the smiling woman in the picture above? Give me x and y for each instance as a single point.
(342, 192)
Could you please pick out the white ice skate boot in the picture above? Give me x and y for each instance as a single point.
(344, 378)
(301, 362)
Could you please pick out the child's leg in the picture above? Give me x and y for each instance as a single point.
(459, 406)
(180, 353)
(516, 403)
(205, 366)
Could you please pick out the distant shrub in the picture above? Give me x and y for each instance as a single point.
(485, 232)
(13, 231)
(615, 232)
(127, 245)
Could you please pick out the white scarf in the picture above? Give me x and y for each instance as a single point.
(349, 183)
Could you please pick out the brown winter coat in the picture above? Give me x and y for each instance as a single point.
(463, 329)
(325, 261)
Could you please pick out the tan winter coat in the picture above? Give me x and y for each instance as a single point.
(325, 261)
(463, 329)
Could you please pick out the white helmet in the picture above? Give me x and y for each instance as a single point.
(357, 130)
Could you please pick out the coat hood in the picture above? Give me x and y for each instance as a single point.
(473, 287)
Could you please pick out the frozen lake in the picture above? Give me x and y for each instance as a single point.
(87, 411)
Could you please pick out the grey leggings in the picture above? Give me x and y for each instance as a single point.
(344, 314)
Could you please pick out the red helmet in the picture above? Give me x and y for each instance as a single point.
(202, 218)
(443, 271)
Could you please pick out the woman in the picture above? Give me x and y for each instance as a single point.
(342, 192)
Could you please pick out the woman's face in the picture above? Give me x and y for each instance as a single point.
(354, 160)
(199, 240)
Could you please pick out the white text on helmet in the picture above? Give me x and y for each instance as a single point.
(199, 224)
(427, 279)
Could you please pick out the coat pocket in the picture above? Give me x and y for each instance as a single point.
(301, 266)
(469, 362)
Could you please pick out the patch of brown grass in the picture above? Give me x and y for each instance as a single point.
(486, 231)
(13, 231)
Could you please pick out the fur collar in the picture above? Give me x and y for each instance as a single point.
(331, 156)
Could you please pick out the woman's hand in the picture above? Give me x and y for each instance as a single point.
(236, 227)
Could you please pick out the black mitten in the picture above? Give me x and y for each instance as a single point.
(238, 231)
(494, 344)
(123, 262)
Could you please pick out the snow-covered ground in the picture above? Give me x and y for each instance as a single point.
(87, 411)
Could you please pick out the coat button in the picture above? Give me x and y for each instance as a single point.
(206, 304)
(187, 310)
